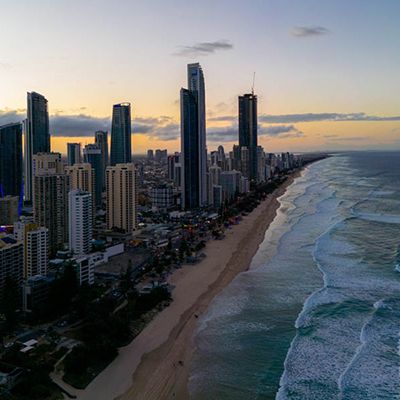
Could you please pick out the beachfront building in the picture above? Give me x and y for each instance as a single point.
(248, 133)
(193, 140)
(121, 197)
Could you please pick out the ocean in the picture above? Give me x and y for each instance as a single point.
(317, 316)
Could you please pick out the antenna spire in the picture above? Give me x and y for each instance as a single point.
(254, 78)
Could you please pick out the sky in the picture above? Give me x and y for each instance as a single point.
(326, 72)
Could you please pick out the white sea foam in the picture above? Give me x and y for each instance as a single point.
(385, 218)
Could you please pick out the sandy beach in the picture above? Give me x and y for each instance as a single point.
(156, 364)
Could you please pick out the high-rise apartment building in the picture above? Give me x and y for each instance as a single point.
(37, 136)
(80, 221)
(248, 131)
(11, 168)
(121, 131)
(74, 155)
(50, 207)
(36, 248)
(82, 177)
(121, 195)
(47, 164)
(11, 261)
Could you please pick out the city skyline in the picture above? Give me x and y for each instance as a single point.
(309, 51)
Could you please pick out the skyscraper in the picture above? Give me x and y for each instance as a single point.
(197, 88)
(101, 140)
(121, 134)
(37, 136)
(190, 151)
(92, 155)
(47, 163)
(80, 221)
(11, 160)
(82, 177)
(193, 140)
(248, 131)
(74, 153)
(36, 247)
(50, 207)
(11, 261)
(121, 197)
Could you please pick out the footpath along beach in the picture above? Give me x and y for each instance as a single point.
(156, 364)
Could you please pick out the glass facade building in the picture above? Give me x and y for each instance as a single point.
(92, 155)
(37, 135)
(11, 160)
(121, 131)
(248, 131)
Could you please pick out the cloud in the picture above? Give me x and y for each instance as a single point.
(203, 48)
(307, 31)
(226, 134)
(167, 132)
(77, 125)
(281, 131)
(167, 128)
(10, 116)
(337, 138)
(310, 117)
(83, 125)
(230, 134)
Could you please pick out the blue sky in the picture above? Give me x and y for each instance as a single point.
(309, 57)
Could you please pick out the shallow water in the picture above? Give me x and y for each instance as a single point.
(318, 314)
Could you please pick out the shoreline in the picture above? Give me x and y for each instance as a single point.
(156, 364)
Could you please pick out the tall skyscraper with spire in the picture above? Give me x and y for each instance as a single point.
(193, 139)
(248, 132)
(37, 136)
(121, 152)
